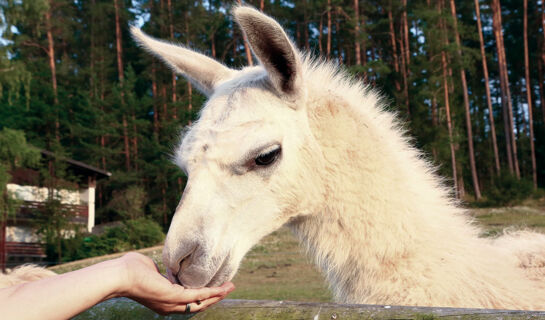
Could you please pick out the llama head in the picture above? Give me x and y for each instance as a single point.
(251, 159)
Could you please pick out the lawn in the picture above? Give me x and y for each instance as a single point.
(278, 269)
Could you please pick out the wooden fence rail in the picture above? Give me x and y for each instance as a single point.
(264, 309)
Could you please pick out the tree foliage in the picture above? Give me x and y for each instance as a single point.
(94, 117)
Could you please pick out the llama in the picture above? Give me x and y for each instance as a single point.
(24, 273)
(297, 142)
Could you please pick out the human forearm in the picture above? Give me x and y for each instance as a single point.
(63, 296)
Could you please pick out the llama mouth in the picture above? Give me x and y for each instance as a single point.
(220, 276)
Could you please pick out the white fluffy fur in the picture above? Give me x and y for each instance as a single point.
(367, 206)
(24, 273)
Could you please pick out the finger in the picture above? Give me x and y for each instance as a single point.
(206, 303)
(194, 307)
(203, 293)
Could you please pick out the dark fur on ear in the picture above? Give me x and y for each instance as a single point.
(272, 47)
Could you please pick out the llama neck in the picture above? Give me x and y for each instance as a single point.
(382, 207)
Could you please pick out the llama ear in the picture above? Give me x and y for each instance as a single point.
(273, 48)
(205, 73)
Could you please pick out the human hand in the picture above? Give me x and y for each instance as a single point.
(147, 286)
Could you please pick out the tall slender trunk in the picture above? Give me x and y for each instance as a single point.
(363, 50)
(339, 40)
(246, 46)
(472, 164)
(542, 61)
(134, 141)
(449, 123)
(357, 48)
(434, 122)
(504, 77)
(320, 34)
(154, 102)
(541, 90)
(189, 86)
(173, 75)
(529, 95)
(53, 69)
(404, 74)
(406, 33)
(164, 98)
(394, 46)
(328, 44)
(126, 143)
(3, 251)
(121, 79)
(164, 196)
(447, 108)
(262, 5)
(306, 27)
(119, 47)
(487, 89)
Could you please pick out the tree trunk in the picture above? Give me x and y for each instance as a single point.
(173, 75)
(504, 78)
(357, 48)
(3, 253)
(472, 163)
(529, 95)
(189, 86)
(262, 5)
(121, 77)
(246, 46)
(487, 89)
(306, 26)
(126, 144)
(134, 141)
(404, 74)
(449, 123)
(447, 108)
(406, 33)
(154, 102)
(542, 61)
(394, 46)
(328, 44)
(320, 34)
(164, 196)
(164, 98)
(541, 90)
(339, 40)
(53, 69)
(118, 44)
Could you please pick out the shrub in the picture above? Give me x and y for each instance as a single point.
(508, 191)
(132, 235)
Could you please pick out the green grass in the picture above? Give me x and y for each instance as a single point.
(277, 269)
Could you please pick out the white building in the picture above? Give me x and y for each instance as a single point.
(20, 243)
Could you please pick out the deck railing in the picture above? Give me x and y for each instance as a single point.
(28, 210)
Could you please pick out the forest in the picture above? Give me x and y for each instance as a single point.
(465, 77)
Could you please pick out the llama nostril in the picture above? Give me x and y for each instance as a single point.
(186, 260)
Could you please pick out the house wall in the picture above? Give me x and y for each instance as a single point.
(33, 193)
(21, 234)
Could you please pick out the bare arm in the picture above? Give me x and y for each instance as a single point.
(133, 275)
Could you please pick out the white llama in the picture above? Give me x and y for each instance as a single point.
(298, 142)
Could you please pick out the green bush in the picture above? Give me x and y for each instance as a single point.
(132, 235)
(508, 191)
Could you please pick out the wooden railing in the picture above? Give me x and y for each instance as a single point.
(263, 309)
(28, 209)
(27, 249)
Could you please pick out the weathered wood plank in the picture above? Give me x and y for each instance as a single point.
(265, 309)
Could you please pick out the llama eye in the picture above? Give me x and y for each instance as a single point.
(268, 158)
